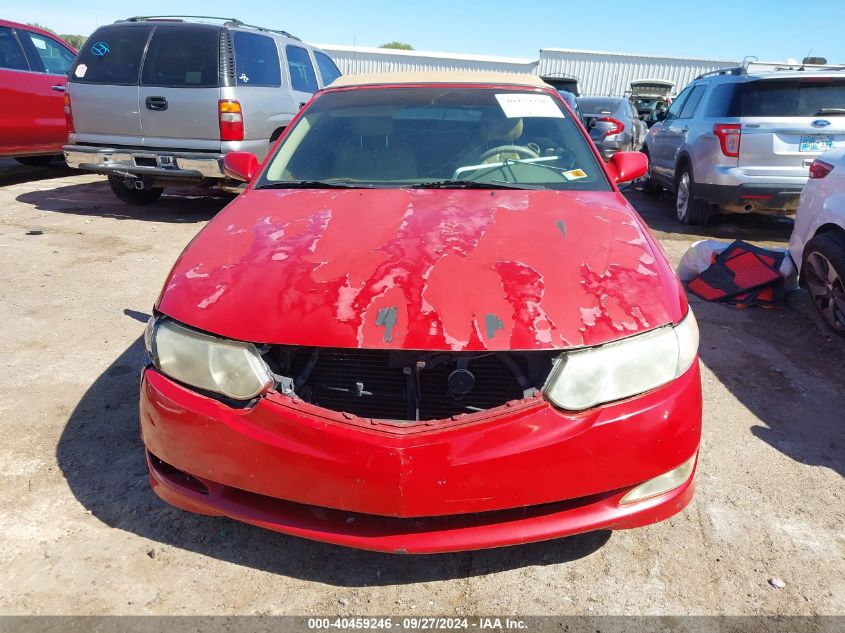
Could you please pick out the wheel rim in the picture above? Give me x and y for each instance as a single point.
(682, 201)
(827, 290)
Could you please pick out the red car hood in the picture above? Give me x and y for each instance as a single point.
(424, 269)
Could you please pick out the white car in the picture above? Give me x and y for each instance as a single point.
(817, 244)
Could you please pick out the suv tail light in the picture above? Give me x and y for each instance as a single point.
(618, 126)
(820, 169)
(68, 114)
(231, 120)
(729, 135)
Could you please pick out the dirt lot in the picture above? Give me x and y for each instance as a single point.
(83, 533)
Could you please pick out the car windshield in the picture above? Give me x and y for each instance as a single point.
(435, 137)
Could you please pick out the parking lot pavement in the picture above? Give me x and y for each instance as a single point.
(83, 533)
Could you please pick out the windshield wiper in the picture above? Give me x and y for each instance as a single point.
(472, 184)
(313, 184)
(830, 111)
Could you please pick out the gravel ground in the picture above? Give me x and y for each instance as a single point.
(83, 533)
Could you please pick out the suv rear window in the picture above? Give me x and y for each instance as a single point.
(183, 58)
(805, 97)
(111, 55)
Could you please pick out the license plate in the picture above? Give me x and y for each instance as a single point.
(815, 143)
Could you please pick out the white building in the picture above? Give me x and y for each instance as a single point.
(599, 73)
(610, 74)
(365, 59)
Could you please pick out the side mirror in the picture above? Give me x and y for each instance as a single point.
(627, 166)
(660, 115)
(240, 165)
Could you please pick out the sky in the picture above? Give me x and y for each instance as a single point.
(773, 30)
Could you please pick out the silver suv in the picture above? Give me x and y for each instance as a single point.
(153, 102)
(740, 140)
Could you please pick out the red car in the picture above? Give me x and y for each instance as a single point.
(430, 323)
(33, 73)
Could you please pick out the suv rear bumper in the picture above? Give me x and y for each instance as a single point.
(767, 196)
(156, 164)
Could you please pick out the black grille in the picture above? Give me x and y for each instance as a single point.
(407, 385)
(227, 58)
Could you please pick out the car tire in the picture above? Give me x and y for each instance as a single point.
(35, 161)
(823, 272)
(648, 183)
(133, 196)
(688, 208)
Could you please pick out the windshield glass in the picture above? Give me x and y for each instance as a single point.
(436, 137)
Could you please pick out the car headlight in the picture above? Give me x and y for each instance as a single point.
(585, 378)
(231, 368)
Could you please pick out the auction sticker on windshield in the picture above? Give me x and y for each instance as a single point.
(527, 105)
(574, 174)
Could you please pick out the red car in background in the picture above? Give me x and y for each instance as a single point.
(33, 68)
(431, 323)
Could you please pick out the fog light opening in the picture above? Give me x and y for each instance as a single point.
(662, 483)
(178, 477)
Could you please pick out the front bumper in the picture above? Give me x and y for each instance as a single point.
(144, 163)
(511, 475)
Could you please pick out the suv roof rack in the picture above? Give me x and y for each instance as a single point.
(225, 21)
(751, 65)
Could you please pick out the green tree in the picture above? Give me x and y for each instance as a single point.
(41, 26)
(74, 40)
(402, 46)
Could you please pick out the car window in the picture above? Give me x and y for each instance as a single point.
(805, 97)
(112, 55)
(399, 137)
(721, 101)
(328, 70)
(691, 104)
(256, 60)
(56, 58)
(598, 105)
(11, 53)
(183, 58)
(675, 109)
(302, 75)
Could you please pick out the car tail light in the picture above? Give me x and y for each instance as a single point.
(68, 114)
(820, 169)
(729, 135)
(618, 126)
(231, 120)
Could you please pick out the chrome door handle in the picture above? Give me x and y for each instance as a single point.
(156, 103)
(58, 88)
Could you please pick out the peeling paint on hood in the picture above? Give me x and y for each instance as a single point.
(424, 269)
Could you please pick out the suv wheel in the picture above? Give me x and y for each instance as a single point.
(688, 208)
(35, 161)
(824, 273)
(133, 196)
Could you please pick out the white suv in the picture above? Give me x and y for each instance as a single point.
(817, 244)
(742, 139)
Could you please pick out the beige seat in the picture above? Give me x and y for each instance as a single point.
(374, 155)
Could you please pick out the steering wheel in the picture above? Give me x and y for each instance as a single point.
(527, 152)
